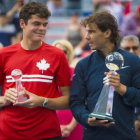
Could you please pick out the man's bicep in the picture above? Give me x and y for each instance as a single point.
(65, 90)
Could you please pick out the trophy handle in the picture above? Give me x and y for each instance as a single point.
(17, 76)
(20, 92)
(110, 100)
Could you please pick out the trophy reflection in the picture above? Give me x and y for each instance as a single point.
(104, 106)
(17, 76)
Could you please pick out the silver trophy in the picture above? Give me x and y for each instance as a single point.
(17, 76)
(104, 106)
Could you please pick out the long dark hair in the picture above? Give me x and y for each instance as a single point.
(104, 21)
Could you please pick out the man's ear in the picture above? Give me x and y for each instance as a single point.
(107, 33)
(22, 23)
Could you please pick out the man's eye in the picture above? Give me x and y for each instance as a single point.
(36, 23)
(45, 24)
(91, 32)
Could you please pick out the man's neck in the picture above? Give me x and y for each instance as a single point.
(109, 47)
(28, 45)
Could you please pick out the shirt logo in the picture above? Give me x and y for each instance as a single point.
(125, 67)
(42, 65)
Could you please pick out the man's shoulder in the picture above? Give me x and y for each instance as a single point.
(130, 58)
(85, 61)
(129, 55)
(8, 49)
(52, 49)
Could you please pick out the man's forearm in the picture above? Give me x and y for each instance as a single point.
(59, 103)
(2, 101)
(122, 89)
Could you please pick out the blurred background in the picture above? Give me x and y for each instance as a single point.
(64, 10)
(64, 22)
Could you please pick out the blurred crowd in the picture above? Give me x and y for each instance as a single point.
(128, 23)
(128, 20)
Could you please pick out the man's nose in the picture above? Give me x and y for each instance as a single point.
(131, 50)
(87, 36)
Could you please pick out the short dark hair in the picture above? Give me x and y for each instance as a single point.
(104, 21)
(34, 8)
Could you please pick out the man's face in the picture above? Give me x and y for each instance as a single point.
(131, 46)
(95, 37)
(35, 29)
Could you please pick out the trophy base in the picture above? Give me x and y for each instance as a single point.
(102, 116)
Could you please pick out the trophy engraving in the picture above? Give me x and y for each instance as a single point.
(17, 76)
(104, 106)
